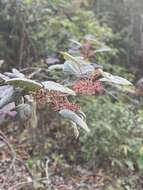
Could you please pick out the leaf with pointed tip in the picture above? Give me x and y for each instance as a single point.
(26, 84)
(75, 60)
(107, 77)
(68, 114)
(50, 85)
(67, 56)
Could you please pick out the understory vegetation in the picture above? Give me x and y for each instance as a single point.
(71, 112)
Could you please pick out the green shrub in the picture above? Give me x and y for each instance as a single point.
(108, 143)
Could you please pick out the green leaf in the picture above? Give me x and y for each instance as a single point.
(57, 66)
(114, 79)
(75, 60)
(50, 85)
(71, 67)
(26, 84)
(68, 114)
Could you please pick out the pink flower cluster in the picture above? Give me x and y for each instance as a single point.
(88, 87)
(57, 106)
(56, 100)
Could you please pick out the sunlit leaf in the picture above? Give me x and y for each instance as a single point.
(68, 114)
(114, 79)
(26, 84)
(67, 56)
(50, 85)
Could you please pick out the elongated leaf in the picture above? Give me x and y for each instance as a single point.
(71, 67)
(68, 114)
(67, 56)
(107, 77)
(57, 66)
(26, 84)
(50, 85)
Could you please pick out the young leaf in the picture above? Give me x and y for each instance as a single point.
(26, 84)
(67, 56)
(68, 114)
(50, 85)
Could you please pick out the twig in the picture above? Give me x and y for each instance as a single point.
(47, 174)
(34, 73)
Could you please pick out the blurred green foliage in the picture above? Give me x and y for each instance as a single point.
(31, 30)
(114, 141)
(34, 29)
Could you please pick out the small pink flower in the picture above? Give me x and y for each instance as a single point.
(87, 87)
(65, 105)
